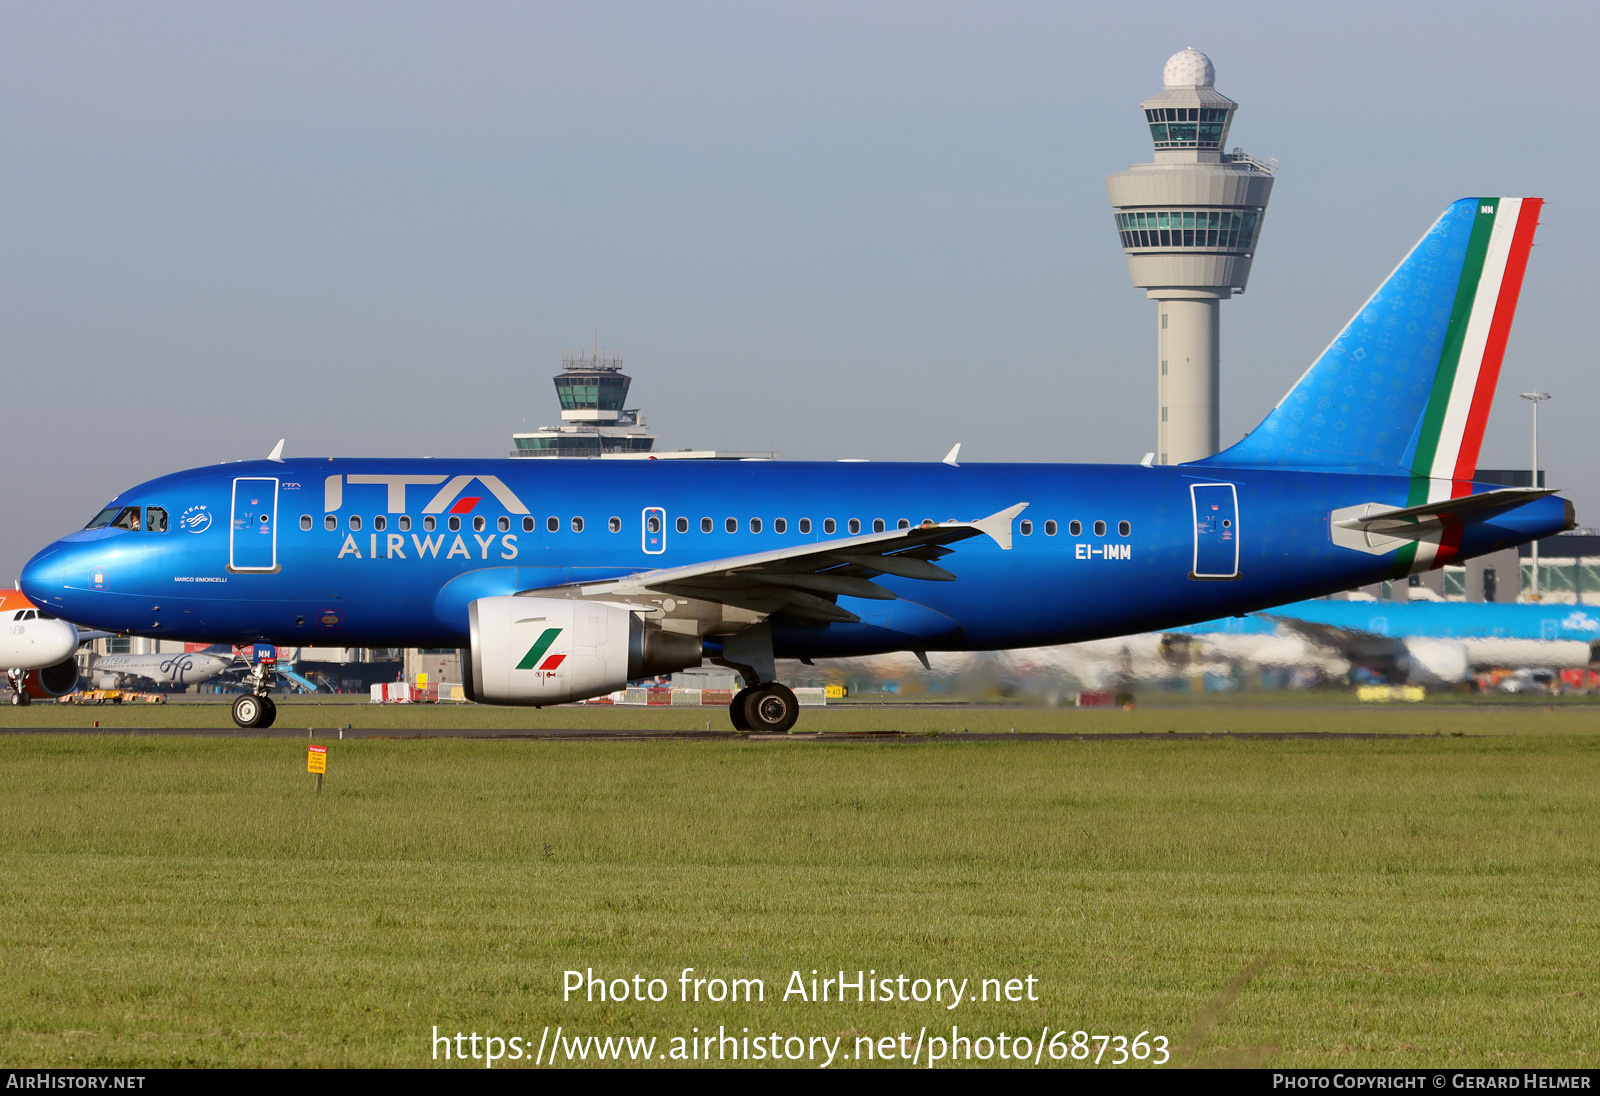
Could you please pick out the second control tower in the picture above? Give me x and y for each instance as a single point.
(1189, 223)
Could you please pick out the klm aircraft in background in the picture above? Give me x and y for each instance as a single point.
(563, 580)
(1423, 642)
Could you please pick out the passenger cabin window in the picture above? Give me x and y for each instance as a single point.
(1025, 528)
(877, 525)
(903, 523)
(654, 523)
(682, 525)
(503, 524)
(305, 521)
(1123, 528)
(477, 524)
(380, 523)
(614, 524)
(404, 522)
(805, 525)
(855, 525)
(552, 524)
(1050, 528)
(829, 525)
(454, 524)
(732, 525)
(330, 522)
(355, 522)
(1099, 528)
(705, 525)
(527, 525)
(155, 519)
(429, 524)
(779, 525)
(755, 525)
(1075, 527)
(577, 525)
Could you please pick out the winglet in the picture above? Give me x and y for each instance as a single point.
(950, 457)
(1148, 460)
(276, 456)
(998, 526)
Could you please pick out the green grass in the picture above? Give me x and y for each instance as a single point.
(1257, 712)
(182, 901)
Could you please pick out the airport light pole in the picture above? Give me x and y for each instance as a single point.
(1536, 398)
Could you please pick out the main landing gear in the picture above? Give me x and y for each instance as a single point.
(764, 709)
(19, 697)
(763, 706)
(255, 711)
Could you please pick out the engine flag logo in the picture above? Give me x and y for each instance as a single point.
(536, 652)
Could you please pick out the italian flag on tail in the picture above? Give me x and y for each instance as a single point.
(1469, 367)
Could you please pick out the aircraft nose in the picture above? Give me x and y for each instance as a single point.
(58, 643)
(44, 577)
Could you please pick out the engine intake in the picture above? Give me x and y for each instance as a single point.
(537, 651)
(52, 681)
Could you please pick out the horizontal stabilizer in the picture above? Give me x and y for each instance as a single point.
(1377, 527)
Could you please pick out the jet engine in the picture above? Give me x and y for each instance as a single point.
(1434, 662)
(49, 682)
(537, 651)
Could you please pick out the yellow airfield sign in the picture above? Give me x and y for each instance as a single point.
(317, 759)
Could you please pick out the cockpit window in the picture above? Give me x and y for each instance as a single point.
(103, 518)
(18, 614)
(155, 519)
(128, 519)
(46, 615)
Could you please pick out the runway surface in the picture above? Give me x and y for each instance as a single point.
(590, 735)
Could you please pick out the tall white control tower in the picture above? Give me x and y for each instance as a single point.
(1189, 223)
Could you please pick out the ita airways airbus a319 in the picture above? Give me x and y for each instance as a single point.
(565, 579)
(37, 649)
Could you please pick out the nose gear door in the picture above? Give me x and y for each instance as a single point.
(253, 538)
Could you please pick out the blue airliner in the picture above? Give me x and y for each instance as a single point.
(563, 580)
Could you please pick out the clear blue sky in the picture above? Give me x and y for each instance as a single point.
(829, 229)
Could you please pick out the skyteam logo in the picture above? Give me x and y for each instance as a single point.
(196, 519)
(530, 661)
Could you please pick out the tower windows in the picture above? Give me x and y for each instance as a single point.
(1214, 229)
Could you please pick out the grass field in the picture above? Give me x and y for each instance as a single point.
(1400, 902)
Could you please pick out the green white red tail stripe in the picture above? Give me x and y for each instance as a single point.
(1452, 425)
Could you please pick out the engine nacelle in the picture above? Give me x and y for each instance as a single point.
(538, 650)
(51, 681)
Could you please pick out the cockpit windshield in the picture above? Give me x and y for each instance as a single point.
(103, 518)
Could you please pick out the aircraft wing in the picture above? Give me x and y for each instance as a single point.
(804, 580)
(1346, 640)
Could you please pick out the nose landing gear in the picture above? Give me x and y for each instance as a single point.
(14, 678)
(255, 710)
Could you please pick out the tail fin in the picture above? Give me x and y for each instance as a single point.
(1406, 386)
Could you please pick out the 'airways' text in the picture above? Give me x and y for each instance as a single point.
(394, 546)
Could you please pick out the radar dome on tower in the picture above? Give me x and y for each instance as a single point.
(1189, 68)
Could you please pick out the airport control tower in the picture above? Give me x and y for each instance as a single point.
(1189, 223)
